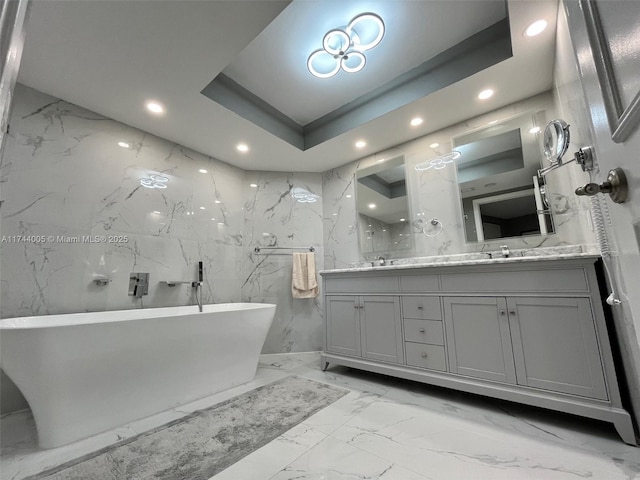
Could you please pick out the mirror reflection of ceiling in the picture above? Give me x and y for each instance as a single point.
(384, 186)
(490, 156)
(111, 57)
(427, 46)
(501, 157)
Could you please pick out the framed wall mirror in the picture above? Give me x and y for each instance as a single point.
(384, 226)
(501, 193)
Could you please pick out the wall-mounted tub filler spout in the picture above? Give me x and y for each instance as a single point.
(504, 250)
(197, 285)
(138, 284)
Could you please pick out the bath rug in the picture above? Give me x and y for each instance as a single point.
(204, 443)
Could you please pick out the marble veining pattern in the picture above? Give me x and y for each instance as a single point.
(516, 256)
(273, 217)
(384, 428)
(434, 194)
(64, 177)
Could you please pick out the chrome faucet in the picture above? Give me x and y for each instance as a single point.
(505, 251)
(197, 285)
(381, 260)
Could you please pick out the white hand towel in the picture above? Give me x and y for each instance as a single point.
(303, 277)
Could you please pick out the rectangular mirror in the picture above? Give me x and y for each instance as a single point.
(383, 209)
(498, 183)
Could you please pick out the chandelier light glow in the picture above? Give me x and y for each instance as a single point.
(438, 163)
(342, 48)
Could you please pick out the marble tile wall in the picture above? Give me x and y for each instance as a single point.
(434, 194)
(283, 211)
(64, 180)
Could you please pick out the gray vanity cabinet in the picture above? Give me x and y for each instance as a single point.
(555, 345)
(343, 324)
(525, 331)
(365, 326)
(478, 336)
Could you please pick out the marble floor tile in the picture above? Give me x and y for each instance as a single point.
(333, 459)
(384, 428)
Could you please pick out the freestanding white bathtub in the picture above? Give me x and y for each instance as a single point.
(85, 373)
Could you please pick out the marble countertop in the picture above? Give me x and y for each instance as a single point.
(478, 258)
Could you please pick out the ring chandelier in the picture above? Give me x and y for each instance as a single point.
(342, 47)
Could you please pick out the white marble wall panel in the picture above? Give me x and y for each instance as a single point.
(274, 218)
(64, 175)
(340, 217)
(434, 194)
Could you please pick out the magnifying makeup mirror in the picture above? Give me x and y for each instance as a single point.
(556, 141)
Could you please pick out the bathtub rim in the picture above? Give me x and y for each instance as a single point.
(59, 320)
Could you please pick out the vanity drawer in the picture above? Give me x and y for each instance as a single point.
(426, 356)
(425, 308)
(419, 283)
(551, 280)
(367, 285)
(423, 331)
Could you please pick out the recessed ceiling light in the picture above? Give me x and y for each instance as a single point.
(213, 219)
(156, 212)
(124, 145)
(221, 223)
(155, 107)
(202, 208)
(416, 121)
(535, 28)
(361, 144)
(483, 95)
(534, 130)
(372, 205)
(348, 196)
(403, 219)
(242, 147)
(253, 185)
(434, 145)
(217, 201)
(202, 170)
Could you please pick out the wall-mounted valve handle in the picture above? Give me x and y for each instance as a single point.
(615, 185)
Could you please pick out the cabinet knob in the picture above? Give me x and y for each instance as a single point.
(422, 330)
(502, 312)
(512, 312)
(424, 355)
(420, 307)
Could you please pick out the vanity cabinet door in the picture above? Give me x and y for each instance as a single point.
(555, 345)
(343, 324)
(478, 338)
(381, 328)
